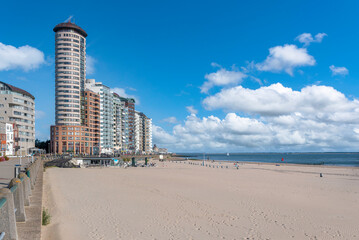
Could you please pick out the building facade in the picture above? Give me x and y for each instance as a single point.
(138, 133)
(119, 125)
(106, 114)
(70, 72)
(90, 118)
(77, 114)
(129, 106)
(143, 133)
(9, 139)
(84, 139)
(17, 107)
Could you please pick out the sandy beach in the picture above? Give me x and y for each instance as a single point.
(185, 201)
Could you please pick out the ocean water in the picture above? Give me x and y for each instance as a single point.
(334, 159)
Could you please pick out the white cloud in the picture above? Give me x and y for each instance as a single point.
(191, 110)
(338, 70)
(222, 77)
(170, 120)
(257, 80)
(320, 102)
(39, 114)
(25, 57)
(316, 118)
(90, 65)
(160, 136)
(122, 93)
(286, 58)
(307, 38)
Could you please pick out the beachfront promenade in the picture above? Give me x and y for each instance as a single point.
(21, 198)
(7, 168)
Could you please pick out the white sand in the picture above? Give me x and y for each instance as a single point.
(182, 201)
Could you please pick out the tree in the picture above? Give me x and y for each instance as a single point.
(42, 144)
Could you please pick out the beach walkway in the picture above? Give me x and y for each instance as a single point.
(7, 169)
(31, 229)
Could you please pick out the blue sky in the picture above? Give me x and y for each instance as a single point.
(163, 52)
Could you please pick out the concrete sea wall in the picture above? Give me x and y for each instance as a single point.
(14, 198)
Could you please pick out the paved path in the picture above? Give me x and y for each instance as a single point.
(7, 169)
(31, 229)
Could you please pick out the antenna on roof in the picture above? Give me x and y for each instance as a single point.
(69, 19)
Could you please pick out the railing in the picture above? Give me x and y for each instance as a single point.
(2, 202)
(15, 197)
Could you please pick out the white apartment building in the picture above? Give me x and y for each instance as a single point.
(148, 147)
(18, 106)
(117, 123)
(7, 139)
(143, 133)
(10, 139)
(106, 113)
(138, 132)
(121, 124)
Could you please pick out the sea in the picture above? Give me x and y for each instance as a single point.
(350, 159)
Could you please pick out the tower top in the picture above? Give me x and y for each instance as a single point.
(70, 25)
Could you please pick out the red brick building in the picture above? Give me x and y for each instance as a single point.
(80, 139)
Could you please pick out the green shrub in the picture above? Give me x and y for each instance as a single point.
(6, 158)
(45, 217)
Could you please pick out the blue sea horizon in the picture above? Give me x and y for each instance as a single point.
(349, 159)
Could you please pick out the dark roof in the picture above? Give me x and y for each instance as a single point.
(71, 25)
(18, 90)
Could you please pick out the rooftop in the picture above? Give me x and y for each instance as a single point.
(70, 25)
(18, 90)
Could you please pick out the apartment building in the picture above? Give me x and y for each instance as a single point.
(143, 133)
(84, 139)
(17, 107)
(123, 124)
(130, 111)
(138, 133)
(89, 117)
(148, 135)
(119, 124)
(9, 136)
(77, 118)
(70, 72)
(106, 113)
